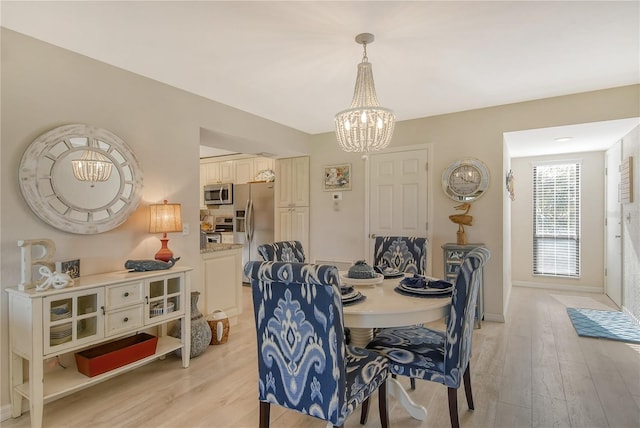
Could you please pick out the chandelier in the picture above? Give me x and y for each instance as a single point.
(365, 126)
(92, 165)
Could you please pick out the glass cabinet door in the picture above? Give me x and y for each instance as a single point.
(165, 297)
(72, 318)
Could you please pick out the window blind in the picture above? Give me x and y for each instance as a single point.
(556, 219)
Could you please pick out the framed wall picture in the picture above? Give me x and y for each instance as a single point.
(337, 177)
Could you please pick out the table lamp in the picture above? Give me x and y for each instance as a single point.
(165, 218)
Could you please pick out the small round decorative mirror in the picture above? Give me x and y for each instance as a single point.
(465, 180)
(81, 179)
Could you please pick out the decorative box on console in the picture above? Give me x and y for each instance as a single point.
(94, 361)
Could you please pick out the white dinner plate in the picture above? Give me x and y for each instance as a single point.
(433, 291)
(351, 295)
(388, 272)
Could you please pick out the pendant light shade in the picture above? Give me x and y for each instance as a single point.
(366, 126)
(92, 165)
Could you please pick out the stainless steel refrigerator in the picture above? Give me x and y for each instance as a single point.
(253, 206)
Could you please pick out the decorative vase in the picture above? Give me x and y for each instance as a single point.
(200, 330)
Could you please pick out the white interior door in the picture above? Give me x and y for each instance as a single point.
(613, 228)
(398, 194)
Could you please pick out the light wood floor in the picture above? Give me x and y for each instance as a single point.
(532, 371)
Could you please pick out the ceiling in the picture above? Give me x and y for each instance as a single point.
(295, 62)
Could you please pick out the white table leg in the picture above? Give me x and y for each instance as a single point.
(361, 337)
(395, 389)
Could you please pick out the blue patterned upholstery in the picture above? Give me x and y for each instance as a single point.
(303, 362)
(284, 251)
(406, 254)
(443, 357)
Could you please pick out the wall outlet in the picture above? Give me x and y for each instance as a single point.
(185, 229)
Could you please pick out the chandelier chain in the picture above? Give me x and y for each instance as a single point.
(364, 54)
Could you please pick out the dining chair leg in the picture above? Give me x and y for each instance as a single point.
(364, 414)
(453, 407)
(467, 386)
(382, 405)
(265, 409)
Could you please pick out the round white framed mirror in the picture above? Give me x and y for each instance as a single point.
(465, 180)
(81, 179)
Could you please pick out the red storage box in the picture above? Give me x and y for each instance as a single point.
(109, 356)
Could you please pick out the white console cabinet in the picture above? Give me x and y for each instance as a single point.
(96, 309)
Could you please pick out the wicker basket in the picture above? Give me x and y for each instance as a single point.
(219, 324)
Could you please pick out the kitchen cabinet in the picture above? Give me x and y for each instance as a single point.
(247, 169)
(261, 164)
(222, 279)
(452, 257)
(244, 171)
(292, 200)
(227, 171)
(292, 224)
(226, 238)
(95, 310)
(212, 172)
(237, 170)
(219, 172)
(292, 182)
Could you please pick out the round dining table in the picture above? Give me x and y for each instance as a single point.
(383, 306)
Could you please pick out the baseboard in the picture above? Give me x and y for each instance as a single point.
(5, 412)
(494, 317)
(558, 287)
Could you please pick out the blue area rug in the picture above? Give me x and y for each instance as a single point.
(612, 325)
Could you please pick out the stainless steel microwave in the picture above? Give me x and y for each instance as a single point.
(218, 194)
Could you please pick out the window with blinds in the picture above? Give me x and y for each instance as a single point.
(556, 219)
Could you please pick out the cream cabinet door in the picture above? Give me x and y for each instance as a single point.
(227, 171)
(292, 184)
(292, 224)
(212, 172)
(244, 171)
(300, 176)
(71, 319)
(222, 274)
(164, 297)
(261, 164)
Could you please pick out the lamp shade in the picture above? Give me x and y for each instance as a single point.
(165, 218)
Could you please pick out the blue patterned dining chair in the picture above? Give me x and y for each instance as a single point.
(406, 254)
(283, 251)
(303, 361)
(440, 356)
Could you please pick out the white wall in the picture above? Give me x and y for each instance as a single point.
(476, 133)
(591, 227)
(44, 87)
(631, 230)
